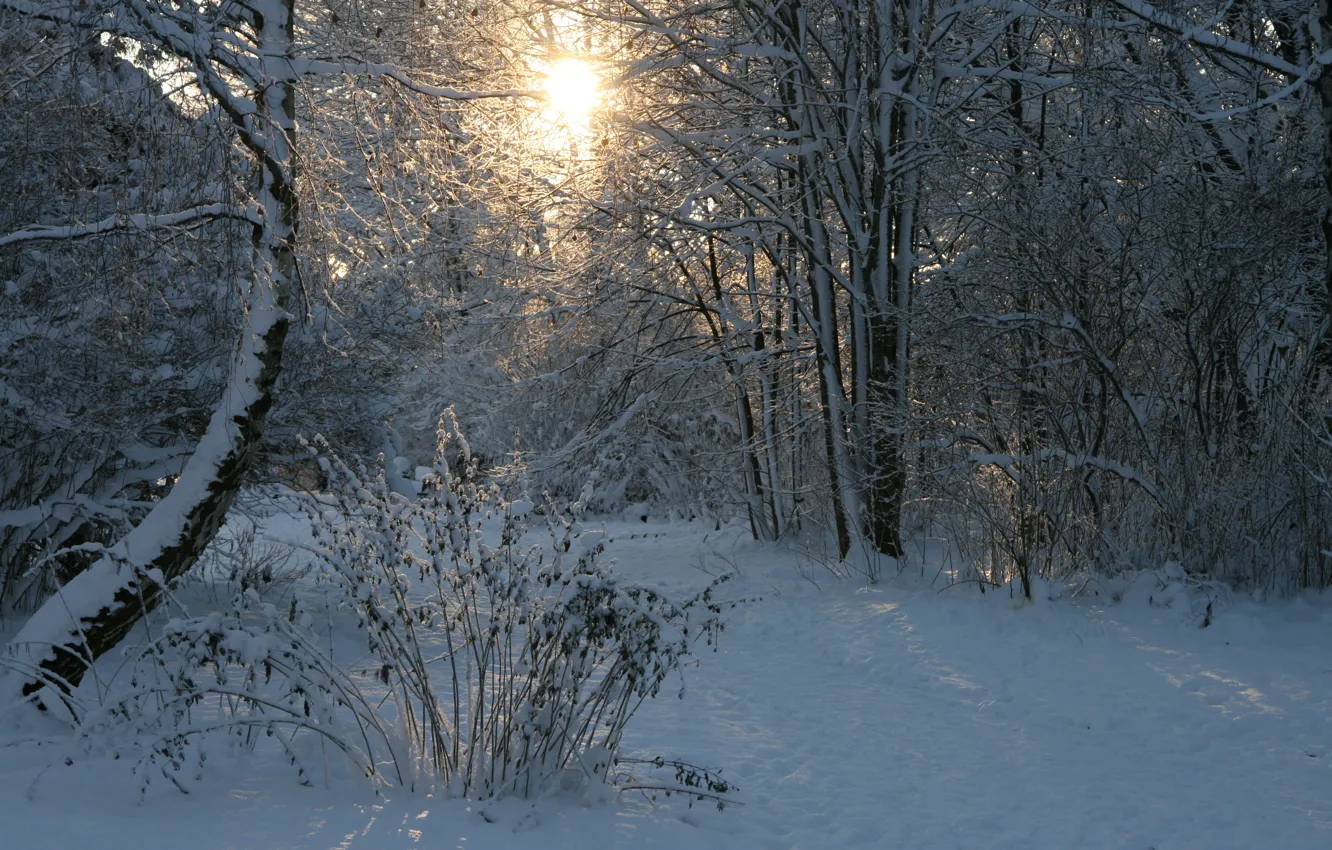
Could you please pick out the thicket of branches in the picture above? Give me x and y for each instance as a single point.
(1046, 281)
(487, 666)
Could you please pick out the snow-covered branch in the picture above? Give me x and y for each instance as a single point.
(1072, 460)
(121, 221)
(1202, 35)
(353, 67)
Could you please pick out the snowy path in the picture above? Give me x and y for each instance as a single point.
(897, 718)
(889, 717)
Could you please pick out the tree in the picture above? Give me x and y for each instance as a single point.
(1132, 262)
(245, 63)
(1270, 38)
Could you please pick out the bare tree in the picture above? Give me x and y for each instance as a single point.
(246, 63)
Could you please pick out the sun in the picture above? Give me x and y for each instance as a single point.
(573, 92)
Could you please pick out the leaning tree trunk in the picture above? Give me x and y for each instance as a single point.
(93, 612)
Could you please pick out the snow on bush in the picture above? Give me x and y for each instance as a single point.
(494, 667)
(1196, 598)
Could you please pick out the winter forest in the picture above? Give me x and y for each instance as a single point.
(681, 423)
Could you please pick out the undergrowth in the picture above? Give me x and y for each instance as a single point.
(492, 666)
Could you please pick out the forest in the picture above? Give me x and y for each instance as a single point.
(353, 355)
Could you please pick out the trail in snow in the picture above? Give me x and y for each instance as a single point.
(855, 717)
(897, 717)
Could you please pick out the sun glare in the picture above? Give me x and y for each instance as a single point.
(572, 91)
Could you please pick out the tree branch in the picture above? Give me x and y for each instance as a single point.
(1200, 34)
(120, 221)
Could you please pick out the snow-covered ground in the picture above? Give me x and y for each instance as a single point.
(894, 716)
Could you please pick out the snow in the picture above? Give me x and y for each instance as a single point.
(44, 232)
(894, 716)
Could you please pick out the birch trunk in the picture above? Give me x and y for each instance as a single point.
(93, 612)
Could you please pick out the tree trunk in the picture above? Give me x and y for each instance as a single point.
(1323, 354)
(892, 265)
(796, 90)
(93, 612)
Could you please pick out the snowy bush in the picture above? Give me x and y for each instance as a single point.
(1196, 598)
(493, 668)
